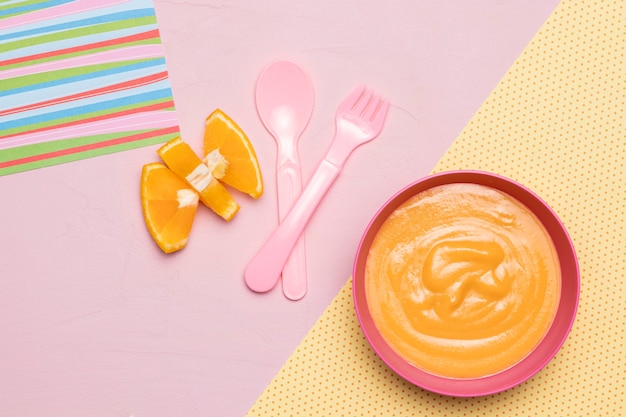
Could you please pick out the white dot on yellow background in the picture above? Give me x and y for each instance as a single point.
(557, 124)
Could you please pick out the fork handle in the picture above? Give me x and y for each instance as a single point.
(263, 271)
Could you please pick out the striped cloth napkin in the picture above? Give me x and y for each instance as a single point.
(80, 78)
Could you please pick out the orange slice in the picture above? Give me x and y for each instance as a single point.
(223, 139)
(169, 206)
(183, 161)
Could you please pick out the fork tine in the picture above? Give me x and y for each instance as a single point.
(360, 106)
(349, 102)
(379, 116)
(372, 106)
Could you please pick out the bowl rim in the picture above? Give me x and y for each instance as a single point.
(539, 357)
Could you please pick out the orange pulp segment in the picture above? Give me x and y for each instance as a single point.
(169, 206)
(183, 161)
(224, 139)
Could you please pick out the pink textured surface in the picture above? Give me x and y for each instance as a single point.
(95, 321)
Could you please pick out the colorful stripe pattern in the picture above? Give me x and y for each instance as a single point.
(80, 78)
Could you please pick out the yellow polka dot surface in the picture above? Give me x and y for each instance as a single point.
(557, 124)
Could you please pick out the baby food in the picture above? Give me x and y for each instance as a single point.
(462, 281)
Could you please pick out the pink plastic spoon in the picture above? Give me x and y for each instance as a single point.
(284, 101)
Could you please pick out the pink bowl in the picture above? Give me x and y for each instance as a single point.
(547, 348)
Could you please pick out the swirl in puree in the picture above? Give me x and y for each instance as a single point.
(462, 281)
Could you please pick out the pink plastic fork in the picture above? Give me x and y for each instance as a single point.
(359, 119)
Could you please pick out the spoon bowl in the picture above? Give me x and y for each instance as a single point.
(284, 101)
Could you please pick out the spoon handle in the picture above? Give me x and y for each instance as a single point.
(289, 183)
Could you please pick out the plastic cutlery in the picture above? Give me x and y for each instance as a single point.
(359, 119)
(284, 101)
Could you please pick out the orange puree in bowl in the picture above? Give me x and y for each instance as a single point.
(462, 281)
